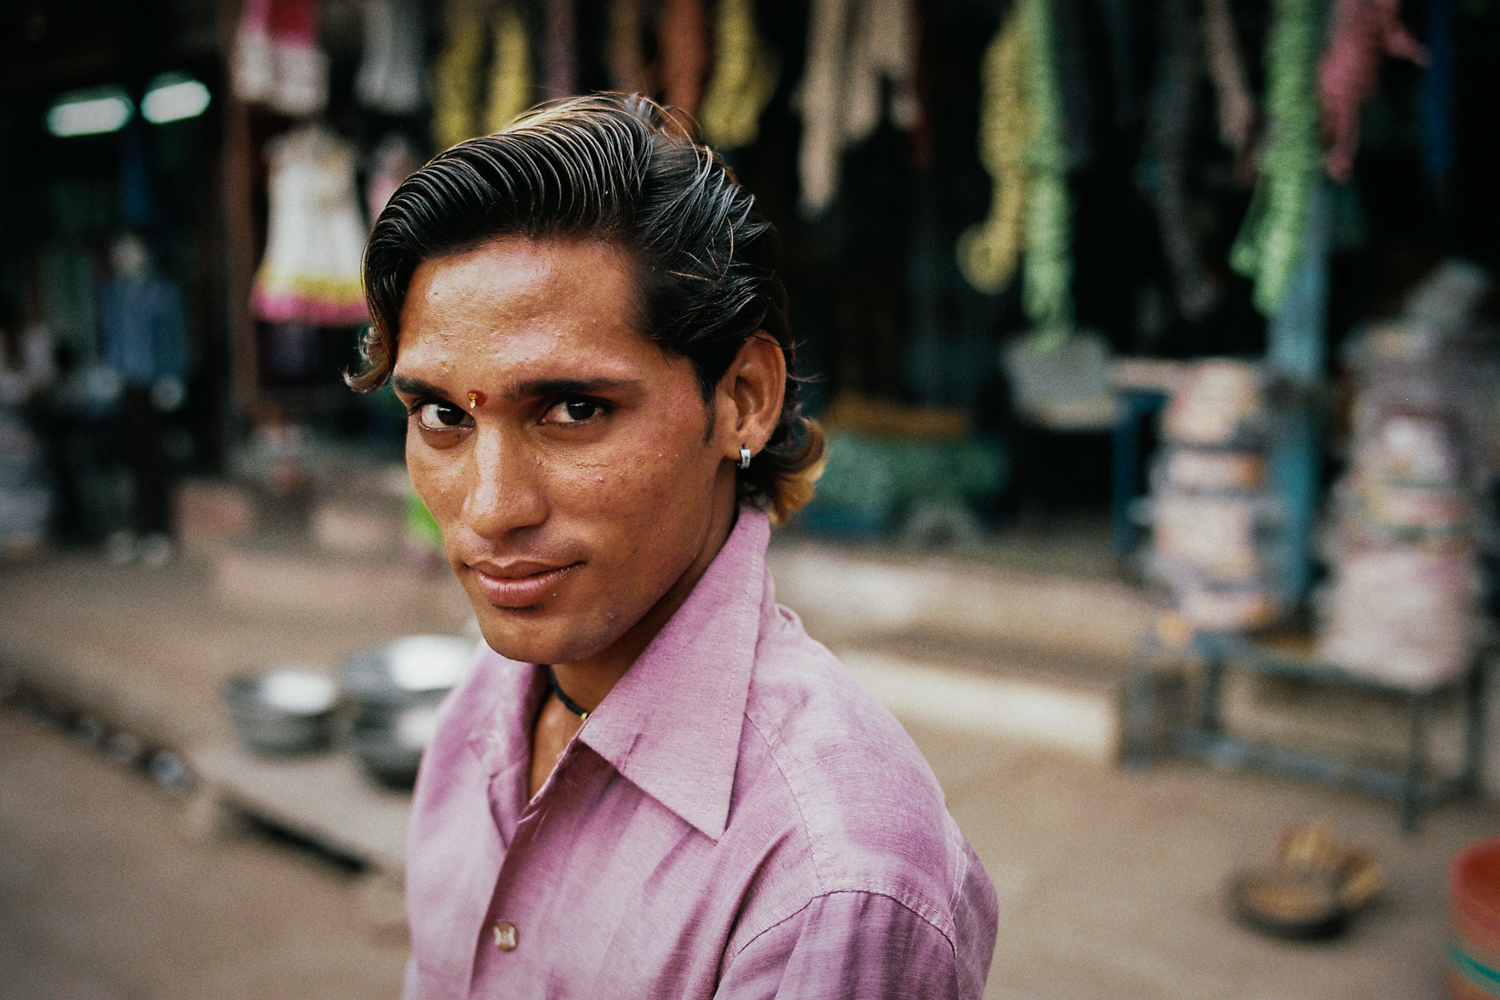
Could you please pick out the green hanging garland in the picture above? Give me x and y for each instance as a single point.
(1047, 289)
(1269, 243)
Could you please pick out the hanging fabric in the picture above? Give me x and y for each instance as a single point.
(624, 55)
(990, 251)
(682, 51)
(393, 161)
(1270, 239)
(1236, 104)
(315, 237)
(510, 68)
(1047, 280)
(456, 78)
(744, 78)
(391, 70)
(559, 49)
(1167, 147)
(1363, 31)
(276, 59)
(854, 51)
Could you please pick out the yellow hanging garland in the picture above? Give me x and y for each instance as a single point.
(510, 69)
(990, 251)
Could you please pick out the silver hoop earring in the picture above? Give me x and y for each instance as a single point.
(744, 457)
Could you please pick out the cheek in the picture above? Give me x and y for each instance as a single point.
(437, 477)
(645, 484)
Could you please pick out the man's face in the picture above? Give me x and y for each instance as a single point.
(575, 485)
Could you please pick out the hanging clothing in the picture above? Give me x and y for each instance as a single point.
(1047, 282)
(744, 78)
(510, 68)
(559, 49)
(1363, 30)
(682, 47)
(1167, 147)
(456, 77)
(276, 59)
(990, 251)
(1269, 242)
(1236, 104)
(311, 269)
(391, 74)
(854, 50)
(393, 161)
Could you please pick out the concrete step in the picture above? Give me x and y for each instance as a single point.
(967, 646)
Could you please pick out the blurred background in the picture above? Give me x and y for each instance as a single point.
(1156, 346)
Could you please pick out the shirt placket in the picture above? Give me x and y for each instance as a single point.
(513, 941)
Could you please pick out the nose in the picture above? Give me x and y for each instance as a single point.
(505, 491)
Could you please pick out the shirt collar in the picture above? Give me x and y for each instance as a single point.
(671, 725)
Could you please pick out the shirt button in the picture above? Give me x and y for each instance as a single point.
(505, 935)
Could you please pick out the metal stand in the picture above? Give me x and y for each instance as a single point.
(1204, 737)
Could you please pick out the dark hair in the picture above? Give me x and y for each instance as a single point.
(622, 170)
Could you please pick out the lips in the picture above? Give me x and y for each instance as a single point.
(519, 584)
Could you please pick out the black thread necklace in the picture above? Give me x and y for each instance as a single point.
(567, 702)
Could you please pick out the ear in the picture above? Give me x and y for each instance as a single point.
(748, 400)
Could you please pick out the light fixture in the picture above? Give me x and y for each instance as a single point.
(172, 97)
(90, 112)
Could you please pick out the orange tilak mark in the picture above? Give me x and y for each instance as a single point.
(476, 398)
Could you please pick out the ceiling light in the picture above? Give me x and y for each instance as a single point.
(172, 97)
(90, 112)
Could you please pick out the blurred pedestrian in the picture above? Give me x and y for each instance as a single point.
(144, 340)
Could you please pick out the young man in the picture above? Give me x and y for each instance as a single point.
(653, 784)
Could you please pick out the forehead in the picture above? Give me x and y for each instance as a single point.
(514, 303)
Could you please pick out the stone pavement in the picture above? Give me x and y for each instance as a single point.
(1109, 881)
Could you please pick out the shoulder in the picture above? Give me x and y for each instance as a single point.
(870, 811)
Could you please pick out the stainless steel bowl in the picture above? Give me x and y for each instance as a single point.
(281, 711)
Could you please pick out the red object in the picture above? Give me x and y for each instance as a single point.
(1363, 31)
(1474, 911)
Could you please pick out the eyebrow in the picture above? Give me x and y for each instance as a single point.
(565, 387)
(532, 389)
(416, 387)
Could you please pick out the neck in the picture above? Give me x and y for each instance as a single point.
(587, 682)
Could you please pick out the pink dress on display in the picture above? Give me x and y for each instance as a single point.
(316, 237)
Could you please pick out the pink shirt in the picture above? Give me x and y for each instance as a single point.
(737, 819)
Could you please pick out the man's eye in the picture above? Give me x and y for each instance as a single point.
(439, 416)
(574, 411)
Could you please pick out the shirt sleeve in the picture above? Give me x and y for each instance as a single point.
(848, 945)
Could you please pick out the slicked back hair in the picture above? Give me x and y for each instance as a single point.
(619, 169)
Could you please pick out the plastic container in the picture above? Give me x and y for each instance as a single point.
(1474, 915)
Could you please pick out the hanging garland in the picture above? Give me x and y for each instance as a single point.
(1046, 292)
(1269, 243)
(456, 77)
(1237, 111)
(990, 251)
(510, 68)
(744, 78)
(1168, 141)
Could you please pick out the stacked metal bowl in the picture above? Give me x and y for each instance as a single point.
(394, 692)
(284, 710)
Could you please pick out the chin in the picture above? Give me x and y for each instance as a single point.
(533, 635)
